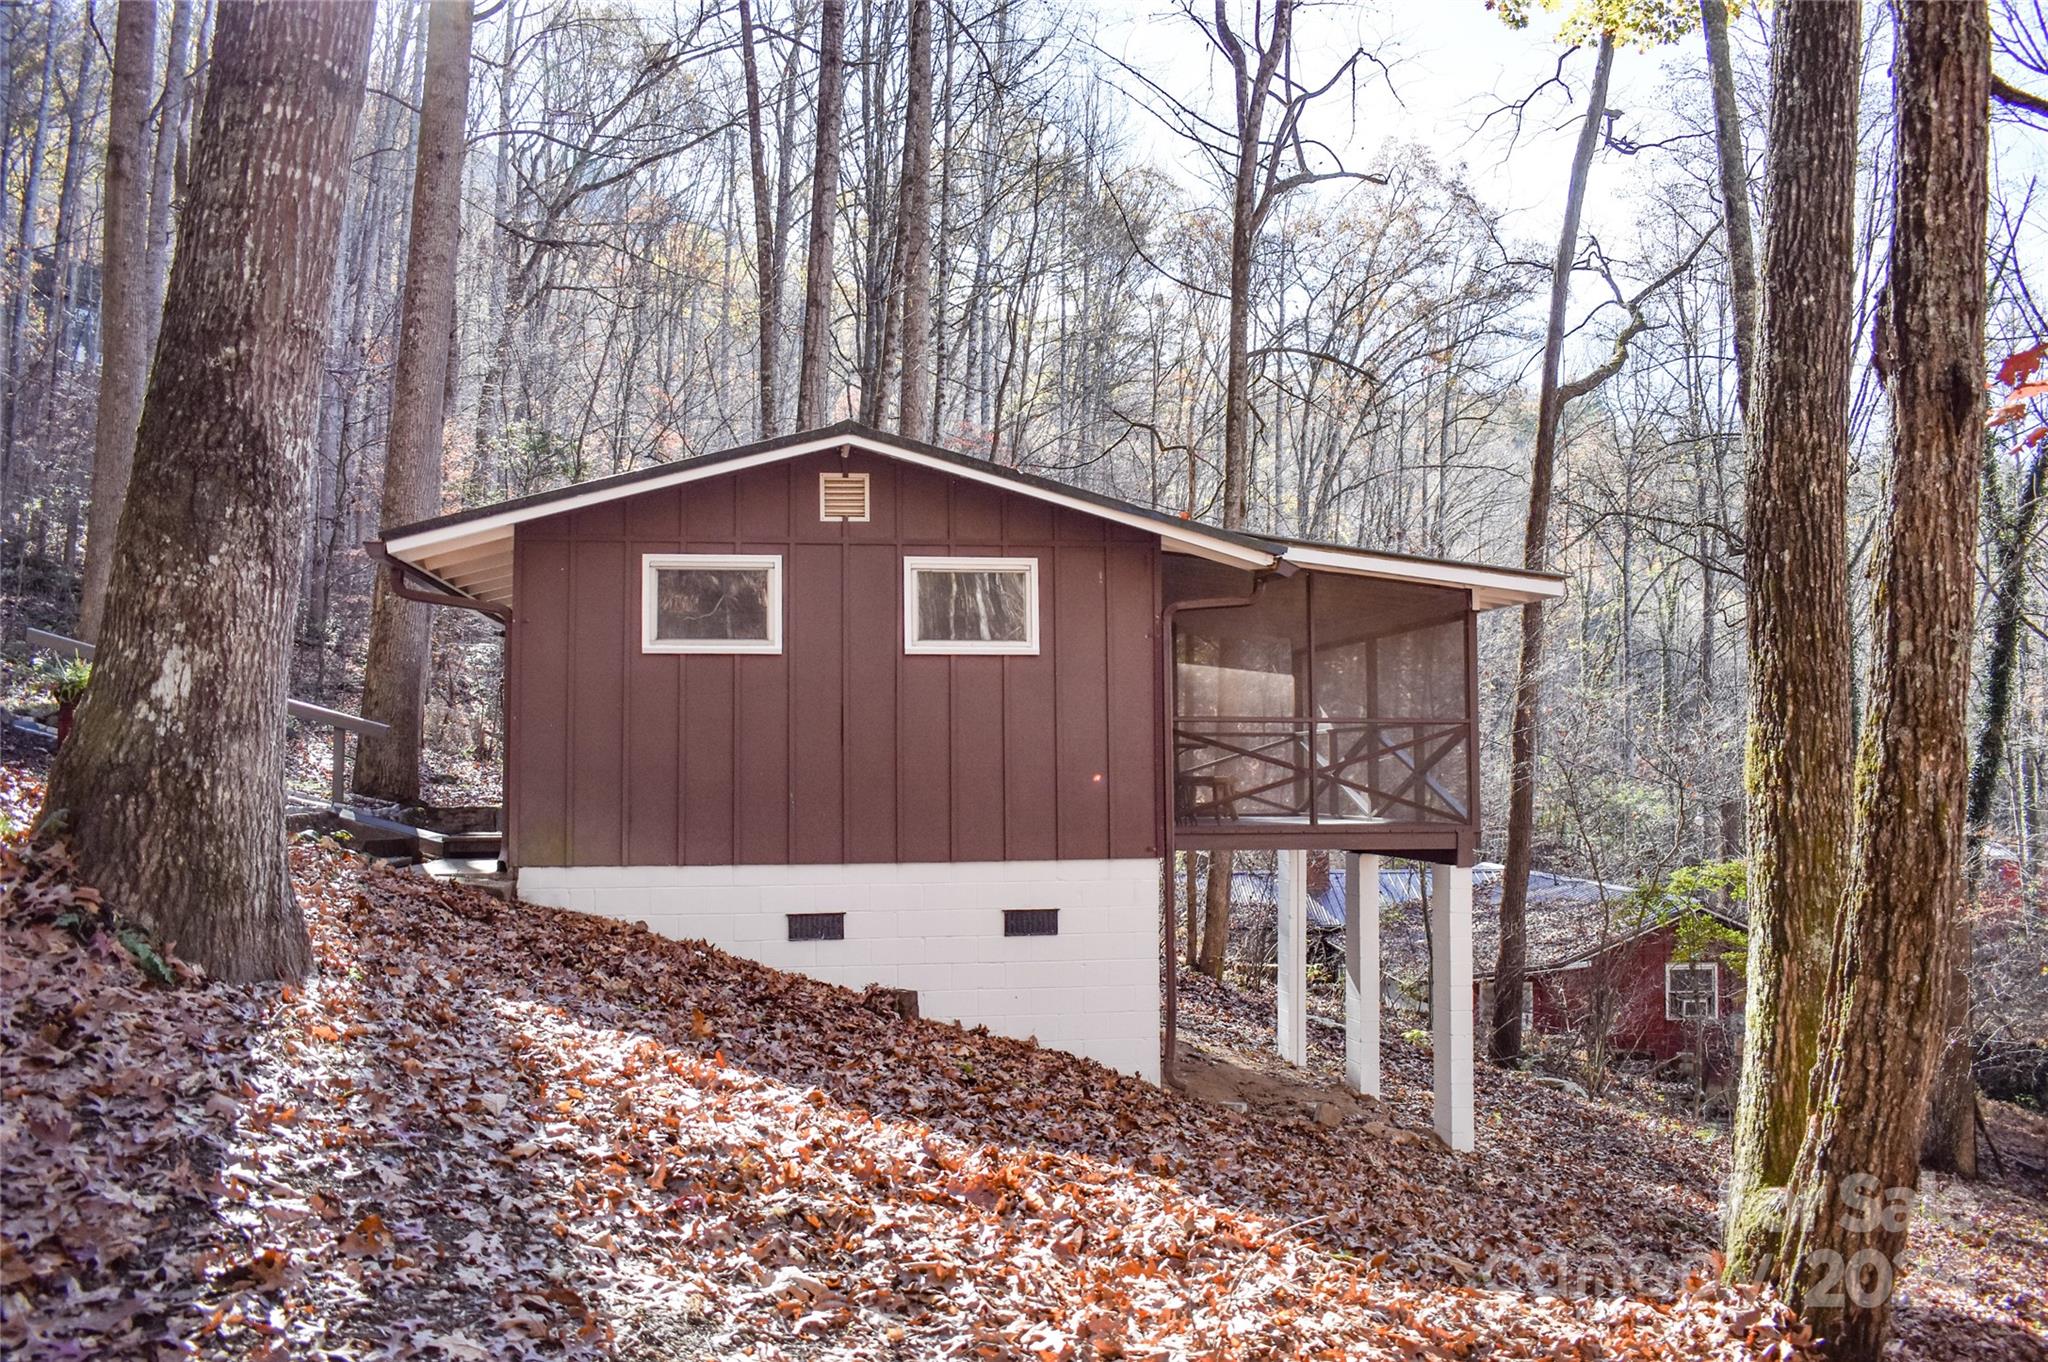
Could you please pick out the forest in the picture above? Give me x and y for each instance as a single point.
(1731, 314)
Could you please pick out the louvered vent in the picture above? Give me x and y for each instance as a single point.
(843, 496)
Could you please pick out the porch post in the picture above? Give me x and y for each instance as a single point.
(1362, 973)
(1291, 896)
(1450, 1001)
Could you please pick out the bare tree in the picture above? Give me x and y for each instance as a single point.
(914, 230)
(767, 262)
(171, 787)
(163, 166)
(125, 327)
(1733, 166)
(814, 365)
(395, 675)
(1504, 1039)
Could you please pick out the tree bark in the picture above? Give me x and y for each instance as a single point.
(1253, 85)
(24, 257)
(125, 326)
(170, 134)
(1504, 1033)
(914, 235)
(395, 674)
(1891, 965)
(1950, 1142)
(1735, 209)
(1215, 942)
(767, 265)
(171, 788)
(814, 368)
(1795, 569)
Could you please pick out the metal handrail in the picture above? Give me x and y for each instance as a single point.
(342, 724)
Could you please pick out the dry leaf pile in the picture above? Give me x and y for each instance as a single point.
(484, 1130)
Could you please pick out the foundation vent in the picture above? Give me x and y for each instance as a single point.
(843, 496)
(817, 926)
(1031, 922)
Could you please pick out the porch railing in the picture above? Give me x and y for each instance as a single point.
(1234, 768)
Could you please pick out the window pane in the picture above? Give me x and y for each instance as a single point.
(711, 603)
(973, 606)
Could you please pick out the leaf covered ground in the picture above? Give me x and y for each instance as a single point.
(485, 1130)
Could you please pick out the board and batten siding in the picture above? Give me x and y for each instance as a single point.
(841, 749)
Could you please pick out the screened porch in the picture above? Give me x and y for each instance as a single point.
(1328, 710)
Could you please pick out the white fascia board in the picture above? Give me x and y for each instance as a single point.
(1490, 587)
(470, 532)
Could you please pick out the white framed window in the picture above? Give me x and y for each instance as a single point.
(970, 605)
(1692, 990)
(710, 603)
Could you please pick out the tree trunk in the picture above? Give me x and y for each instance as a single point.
(1950, 1142)
(171, 789)
(1735, 210)
(124, 300)
(1253, 84)
(1891, 967)
(395, 674)
(767, 268)
(1795, 568)
(914, 235)
(814, 368)
(170, 134)
(1215, 943)
(17, 365)
(1504, 1034)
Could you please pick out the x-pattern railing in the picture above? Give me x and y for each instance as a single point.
(1230, 767)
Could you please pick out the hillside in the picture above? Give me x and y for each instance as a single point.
(487, 1130)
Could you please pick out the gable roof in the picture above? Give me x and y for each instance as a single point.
(470, 552)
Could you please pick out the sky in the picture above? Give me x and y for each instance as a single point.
(1451, 62)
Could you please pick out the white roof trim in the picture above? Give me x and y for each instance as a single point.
(1490, 587)
(440, 542)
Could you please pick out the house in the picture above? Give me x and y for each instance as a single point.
(887, 714)
(1653, 983)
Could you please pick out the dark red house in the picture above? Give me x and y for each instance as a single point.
(1650, 995)
(888, 714)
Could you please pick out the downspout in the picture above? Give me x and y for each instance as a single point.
(396, 581)
(1170, 1044)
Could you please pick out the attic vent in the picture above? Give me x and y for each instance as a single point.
(843, 496)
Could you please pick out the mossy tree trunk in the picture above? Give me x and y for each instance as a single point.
(1890, 975)
(1795, 568)
(171, 789)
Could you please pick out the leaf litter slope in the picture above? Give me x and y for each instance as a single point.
(485, 1130)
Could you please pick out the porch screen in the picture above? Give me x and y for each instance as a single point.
(1392, 692)
(1330, 698)
(1240, 690)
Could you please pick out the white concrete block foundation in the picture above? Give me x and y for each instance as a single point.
(936, 927)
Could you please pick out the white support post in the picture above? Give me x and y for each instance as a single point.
(1450, 1001)
(1362, 973)
(1291, 1026)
